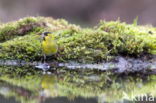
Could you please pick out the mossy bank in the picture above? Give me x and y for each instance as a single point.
(20, 40)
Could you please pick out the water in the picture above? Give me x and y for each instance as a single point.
(73, 86)
(119, 65)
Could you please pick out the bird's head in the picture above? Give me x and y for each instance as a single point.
(44, 34)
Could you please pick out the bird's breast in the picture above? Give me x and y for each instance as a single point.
(49, 47)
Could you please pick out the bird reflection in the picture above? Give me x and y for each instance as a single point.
(49, 87)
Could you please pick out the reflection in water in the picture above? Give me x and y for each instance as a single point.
(66, 100)
(9, 100)
(49, 87)
(66, 86)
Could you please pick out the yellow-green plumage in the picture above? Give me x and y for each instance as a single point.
(49, 45)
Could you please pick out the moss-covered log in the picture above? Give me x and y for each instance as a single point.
(21, 40)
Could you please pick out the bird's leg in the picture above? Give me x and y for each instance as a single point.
(41, 59)
(44, 58)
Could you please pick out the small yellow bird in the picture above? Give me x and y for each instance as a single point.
(49, 47)
(49, 44)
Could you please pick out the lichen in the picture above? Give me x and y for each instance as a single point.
(96, 44)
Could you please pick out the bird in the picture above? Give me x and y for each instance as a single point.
(49, 47)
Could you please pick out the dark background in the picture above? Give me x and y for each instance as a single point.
(83, 12)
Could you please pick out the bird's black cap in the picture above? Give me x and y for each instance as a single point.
(46, 33)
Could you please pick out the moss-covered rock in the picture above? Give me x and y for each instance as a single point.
(19, 40)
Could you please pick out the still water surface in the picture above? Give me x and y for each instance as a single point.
(74, 86)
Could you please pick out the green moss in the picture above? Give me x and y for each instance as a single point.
(106, 40)
(85, 45)
(133, 39)
(19, 28)
(23, 48)
(30, 24)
